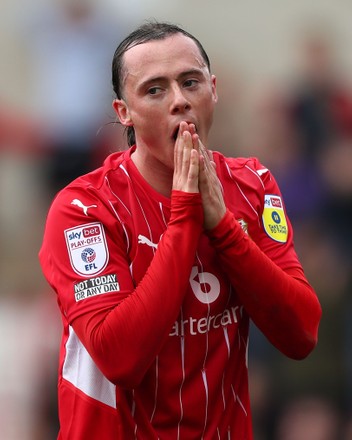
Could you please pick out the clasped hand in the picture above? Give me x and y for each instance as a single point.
(195, 171)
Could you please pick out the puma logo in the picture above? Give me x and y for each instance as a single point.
(262, 171)
(84, 207)
(144, 240)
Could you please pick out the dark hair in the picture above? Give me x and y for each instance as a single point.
(149, 31)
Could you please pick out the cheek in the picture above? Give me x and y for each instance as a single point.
(146, 117)
(152, 121)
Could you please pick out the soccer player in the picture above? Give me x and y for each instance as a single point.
(160, 259)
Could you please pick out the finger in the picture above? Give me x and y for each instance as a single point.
(208, 178)
(185, 168)
(187, 148)
(179, 146)
(192, 129)
(202, 175)
(198, 145)
(205, 153)
(183, 127)
(195, 141)
(193, 173)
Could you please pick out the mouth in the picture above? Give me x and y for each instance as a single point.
(175, 133)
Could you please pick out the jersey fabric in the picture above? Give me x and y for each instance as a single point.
(156, 310)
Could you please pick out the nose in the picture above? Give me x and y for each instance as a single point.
(179, 102)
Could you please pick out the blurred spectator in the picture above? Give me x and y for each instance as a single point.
(27, 364)
(321, 111)
(70, 46)
(273, 137)
(309, 418)
(18, 132)
(321, 102)
(335, 164)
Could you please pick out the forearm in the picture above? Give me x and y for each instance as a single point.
(125, 340)
(281, 303)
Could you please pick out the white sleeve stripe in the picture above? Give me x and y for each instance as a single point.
(161, 207)
(205, 381)
(257, 174)
(80, 370)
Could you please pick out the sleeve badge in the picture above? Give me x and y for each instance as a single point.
(87, 248)
(274, 219)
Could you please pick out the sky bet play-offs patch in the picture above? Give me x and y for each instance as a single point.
(87, 248)
(274, 219)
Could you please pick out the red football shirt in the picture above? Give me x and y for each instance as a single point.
(155, 311)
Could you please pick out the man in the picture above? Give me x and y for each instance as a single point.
(161, 257)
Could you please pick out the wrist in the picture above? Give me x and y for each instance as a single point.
(186, 206)
(226, 228)
(212, 221)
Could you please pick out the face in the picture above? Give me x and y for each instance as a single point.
(166, 82)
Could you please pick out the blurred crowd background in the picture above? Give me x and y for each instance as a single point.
(284, 72)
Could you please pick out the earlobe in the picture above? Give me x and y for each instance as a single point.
(121, 109)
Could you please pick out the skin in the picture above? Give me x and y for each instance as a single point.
(168, 87)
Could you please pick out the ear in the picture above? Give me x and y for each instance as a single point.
(213, 88)
(121, 109)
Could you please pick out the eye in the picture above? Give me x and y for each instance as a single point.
(154, 90)
(190, 83)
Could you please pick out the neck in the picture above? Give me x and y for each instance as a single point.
(156, 173)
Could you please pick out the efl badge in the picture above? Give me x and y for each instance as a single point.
(274, 219)
(87, 248)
